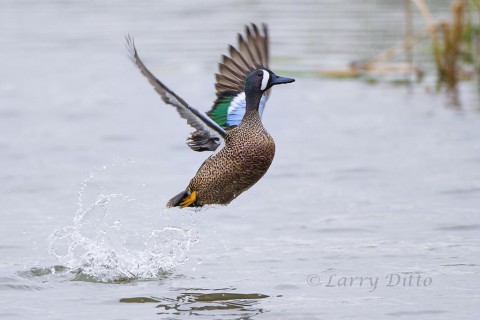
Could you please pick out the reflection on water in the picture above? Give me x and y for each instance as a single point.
(89, 275)
(43, 271)
(225, 305)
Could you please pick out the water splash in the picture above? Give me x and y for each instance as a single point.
(115, 237)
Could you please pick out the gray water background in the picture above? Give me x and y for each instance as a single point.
(369, 181)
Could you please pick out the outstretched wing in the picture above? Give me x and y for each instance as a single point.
(251, 53)
(208, 133)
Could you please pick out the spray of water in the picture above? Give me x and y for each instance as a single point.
(116, 237)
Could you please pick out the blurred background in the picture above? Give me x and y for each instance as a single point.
(377, 168)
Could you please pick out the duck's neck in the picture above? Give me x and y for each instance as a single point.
(252, 99)
(252, 115)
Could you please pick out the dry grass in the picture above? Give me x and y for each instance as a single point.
(446, 37)
(451, 41)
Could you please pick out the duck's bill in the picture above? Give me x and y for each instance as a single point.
(281, 80)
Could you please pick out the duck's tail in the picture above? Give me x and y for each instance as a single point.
(183, 200)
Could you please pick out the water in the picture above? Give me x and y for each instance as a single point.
(100, 245)
(370, 208)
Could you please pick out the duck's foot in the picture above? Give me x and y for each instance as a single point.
(190, 199)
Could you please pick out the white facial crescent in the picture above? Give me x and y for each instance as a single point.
(266, 77)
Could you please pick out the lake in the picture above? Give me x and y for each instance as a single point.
(370, 210)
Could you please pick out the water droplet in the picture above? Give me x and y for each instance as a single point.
(114, 236)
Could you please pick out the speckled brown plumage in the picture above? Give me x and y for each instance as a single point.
(243, 83)
(246, 156)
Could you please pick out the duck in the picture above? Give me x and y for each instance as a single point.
(233, 128)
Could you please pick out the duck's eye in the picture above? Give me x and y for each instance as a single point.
(260, 73)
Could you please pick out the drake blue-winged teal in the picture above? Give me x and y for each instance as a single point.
(233, 127)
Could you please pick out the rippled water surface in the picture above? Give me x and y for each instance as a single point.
(370, 209)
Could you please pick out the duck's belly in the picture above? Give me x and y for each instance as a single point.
(224, 176)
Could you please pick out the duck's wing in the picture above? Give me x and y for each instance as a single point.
(208, 134)
(250, 54)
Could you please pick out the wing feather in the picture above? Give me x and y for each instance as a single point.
(251, 53)
(223, 69)
(241, 60)
(265, 40)
(223, 79)
(233, 65)
(225, 87)
(208, 133)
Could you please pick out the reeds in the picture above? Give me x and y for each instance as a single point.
(455, 47)
(446, 38)
(474, 27)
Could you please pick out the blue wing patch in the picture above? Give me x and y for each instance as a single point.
(236, 110)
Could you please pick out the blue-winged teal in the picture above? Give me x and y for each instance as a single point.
(233, 125)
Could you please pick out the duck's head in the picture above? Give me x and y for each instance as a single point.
(261, 80)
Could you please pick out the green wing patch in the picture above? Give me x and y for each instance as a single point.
(219, 110)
